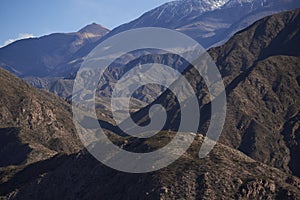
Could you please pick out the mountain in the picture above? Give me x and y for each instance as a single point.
(257, 157)
(225, 174)
(50, 62)
(53, 55)
(210, 22)
(93, 31)
(34, 124)
(260, 68)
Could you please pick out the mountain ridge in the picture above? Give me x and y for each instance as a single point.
(204, 21)
(51, 54)
(255, 158)
(253, 79)
(34, 120)
(208, 26)
(188, 178)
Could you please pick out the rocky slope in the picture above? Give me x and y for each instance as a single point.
(34, 124)
(39, 156)
(225, 174)
(260, 68)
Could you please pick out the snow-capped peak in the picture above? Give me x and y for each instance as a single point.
(202, 5)
(182, 8)
(215, 4)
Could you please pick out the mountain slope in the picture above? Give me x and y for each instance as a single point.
(53, 55)
(210, 22)
(225, 174)
(260, 68)
(34, 124)
(49, 61)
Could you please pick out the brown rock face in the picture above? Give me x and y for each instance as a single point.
(35, 119)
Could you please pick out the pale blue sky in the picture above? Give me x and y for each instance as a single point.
(20, 18)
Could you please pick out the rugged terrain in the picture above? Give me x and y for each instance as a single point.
(257, 156)
(50, 62)
(34, 125)
(210, 22)
(260, 68)
(226, 173)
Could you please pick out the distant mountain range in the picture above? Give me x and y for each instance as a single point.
(51, 61)
(55, 55)
(210, 22)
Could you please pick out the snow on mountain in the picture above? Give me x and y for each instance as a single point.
(185, 7)
(210, 22)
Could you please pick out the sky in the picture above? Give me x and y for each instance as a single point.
(33, 18)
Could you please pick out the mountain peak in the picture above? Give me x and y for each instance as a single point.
(198, 5)
(202, 6)
(94, 28)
